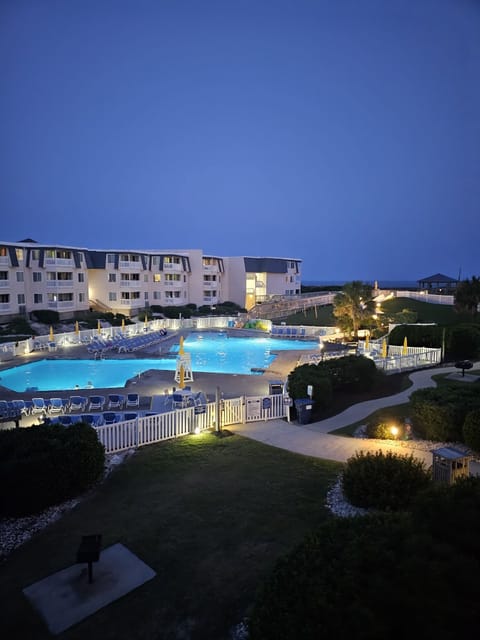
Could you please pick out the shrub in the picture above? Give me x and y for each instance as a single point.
(383, 480)
(47, 316)
(45, 465)
(380, 427)
(463, 342)
(351, 373)
(471, 430)
(305, 375)
(429, 335)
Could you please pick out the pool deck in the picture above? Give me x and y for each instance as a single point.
(156, 382)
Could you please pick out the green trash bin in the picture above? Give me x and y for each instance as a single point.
(303, 407)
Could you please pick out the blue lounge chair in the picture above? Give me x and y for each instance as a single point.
(115, 401)
(93, 419)
(110, 418)
(96, 403)
(39, 406)
(56, 405)
(133, 400)
(67, 421)
(78, 403)
(130, 416)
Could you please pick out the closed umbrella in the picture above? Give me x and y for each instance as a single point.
(405, 346)
(384, 348)
(123, 324)
(181, 351)
(99, 327)
(77, 328)
(51, 334)
(181, 383)
(367, 342)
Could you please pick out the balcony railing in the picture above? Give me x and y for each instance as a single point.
(173, 283)
(64, 304)
(130, 264)
(5, 260)
(4, 283)
(172, 266)
(132, 303)
(130, 283)
(59, 283)
(4, 306)
(207, 284)
(59, 262)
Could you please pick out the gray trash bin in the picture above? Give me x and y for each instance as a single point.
(304, 410)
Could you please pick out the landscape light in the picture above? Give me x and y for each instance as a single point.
(394, 431)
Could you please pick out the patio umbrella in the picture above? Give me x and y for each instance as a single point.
(51, 334)
(181, 383)
(367, 342)
(405, 346)
(181, 351)
(384, 348)
(99, 327)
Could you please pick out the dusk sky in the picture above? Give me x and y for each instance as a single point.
(345, 133)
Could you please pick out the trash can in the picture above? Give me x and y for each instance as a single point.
(304, 410)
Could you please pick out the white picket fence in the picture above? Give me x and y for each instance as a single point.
(181, 422)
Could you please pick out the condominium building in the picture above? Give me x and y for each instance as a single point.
(35, 276)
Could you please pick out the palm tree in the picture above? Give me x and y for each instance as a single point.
(352, 305)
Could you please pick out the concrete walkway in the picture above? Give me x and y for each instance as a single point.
(315, 440)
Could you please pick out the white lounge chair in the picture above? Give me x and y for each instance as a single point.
(133, 400)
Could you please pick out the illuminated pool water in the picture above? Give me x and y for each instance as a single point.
(210, 353)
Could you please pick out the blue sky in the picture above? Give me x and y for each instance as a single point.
(341, 132)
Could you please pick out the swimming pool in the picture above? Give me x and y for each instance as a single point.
(210, 353)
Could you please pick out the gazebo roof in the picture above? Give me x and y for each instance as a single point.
(438, 277)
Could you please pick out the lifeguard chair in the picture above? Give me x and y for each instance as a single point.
(450, 464)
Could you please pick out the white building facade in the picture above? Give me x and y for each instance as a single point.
(70, 280)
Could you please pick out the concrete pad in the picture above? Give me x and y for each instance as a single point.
(66, 598)
(468, 377)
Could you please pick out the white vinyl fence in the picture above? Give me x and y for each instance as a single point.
(181, 422)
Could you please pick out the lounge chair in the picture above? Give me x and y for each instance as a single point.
(133, 400)
(115, 401)
(130, 416)
(96, 403)
(39, 406)
(57, 405)
(93, 419)
(67, 421)
(78, 403)
(21, 405)
(110, 418)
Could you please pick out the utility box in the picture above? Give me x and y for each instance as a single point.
(276, 387)
(304, 410)
(450, 464)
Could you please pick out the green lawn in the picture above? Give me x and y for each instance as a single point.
(427, 312)
(209, 515)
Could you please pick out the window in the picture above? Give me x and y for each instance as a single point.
(35, 254)
(37, 276)
(37, 298)
(19, 253)
(21, 298)
(4, 298)
(81, 277)
(112, 277)
(130, 295)
(157, 295)
(145, 277)
(3, 275)
(112, 296)
(110, 258)
(20, 277)
(81, 297)
(172, 294)
(146, 295)
(130, 276)
(157, 277)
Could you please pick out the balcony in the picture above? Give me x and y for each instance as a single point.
(59, 262)
(5, 261)
(4, 283)
(130, 264)
(211, 268)
(59, 284)
(5, 306)
(64, 304)
(173, 283)
(130, 283)
(208, 284)
(132, 303)
(172, 266)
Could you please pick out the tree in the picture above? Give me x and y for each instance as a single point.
(353, 305)
(467, 295)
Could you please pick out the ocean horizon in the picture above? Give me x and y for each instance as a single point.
(382, 284)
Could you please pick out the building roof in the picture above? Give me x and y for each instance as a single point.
(449, 453)
(438, 277)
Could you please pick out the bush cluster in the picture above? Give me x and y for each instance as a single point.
(47, 316)
(381, 576)
(461, 340)
(45, 465)
(439, 413)
(350, 373)
(383, 480)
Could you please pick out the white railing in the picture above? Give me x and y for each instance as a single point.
(63, 262)
(64, 304)
(166, 426)
(171, 266)
(130, 283)
(4, 260)
(130, 264)
(4, 283)
(173, 283)
(60, 283)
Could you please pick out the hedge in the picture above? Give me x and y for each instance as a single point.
(44, 465)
